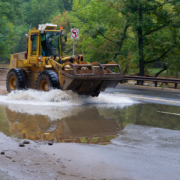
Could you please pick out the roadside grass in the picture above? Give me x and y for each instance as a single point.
(154, 71)
(149, 71)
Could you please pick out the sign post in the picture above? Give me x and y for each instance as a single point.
(73, 46)
(74, 35)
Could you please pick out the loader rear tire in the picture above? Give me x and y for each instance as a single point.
(15, 80)
(47, 80)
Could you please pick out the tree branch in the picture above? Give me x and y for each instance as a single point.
(120, 11)
(112, 5)
(147, 62)
(123, 35)
(157, 74)
(154, 8)
(157, 29)
(125, 70)
(122, 39)
(107, 38)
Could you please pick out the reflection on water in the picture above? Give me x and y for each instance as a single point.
(155, 115)
(93, 125)
(86, 126)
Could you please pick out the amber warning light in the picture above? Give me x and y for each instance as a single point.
(61, 28)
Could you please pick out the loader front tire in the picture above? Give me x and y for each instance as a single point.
(15, 80)
(47, 80)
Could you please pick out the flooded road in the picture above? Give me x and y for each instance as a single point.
(87, 124)
(112, 136)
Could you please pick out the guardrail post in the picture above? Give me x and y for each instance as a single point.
(175, 86)
(140, 82)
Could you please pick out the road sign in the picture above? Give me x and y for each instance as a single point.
(74, 33)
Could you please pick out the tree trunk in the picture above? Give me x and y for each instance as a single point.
(140, 42)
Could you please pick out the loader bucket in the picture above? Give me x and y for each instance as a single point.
(91, 79)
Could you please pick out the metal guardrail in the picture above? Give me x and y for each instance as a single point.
(153, 79)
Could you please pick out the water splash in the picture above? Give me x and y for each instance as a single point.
(61, 98)
(52, 113)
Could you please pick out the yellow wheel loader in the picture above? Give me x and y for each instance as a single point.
(43, 66)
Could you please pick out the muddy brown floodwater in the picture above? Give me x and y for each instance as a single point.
(92, 125)
(108, 137)
(91, 141)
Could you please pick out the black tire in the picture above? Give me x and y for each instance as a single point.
(47, 80)
(15, 80)
(25, 78)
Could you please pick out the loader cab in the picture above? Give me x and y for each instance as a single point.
(45, 42)
(50, 44)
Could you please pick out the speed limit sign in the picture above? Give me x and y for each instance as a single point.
(74, 33)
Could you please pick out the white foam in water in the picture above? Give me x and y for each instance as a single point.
(61, 98)
(53, 113)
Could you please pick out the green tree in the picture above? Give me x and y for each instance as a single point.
(38, 12)
(42, 11)
(9, 12)
(132, 32)
(154, 26)
(101, 36)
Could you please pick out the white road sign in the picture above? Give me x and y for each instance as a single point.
(74, 33)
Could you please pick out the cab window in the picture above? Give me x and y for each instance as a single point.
(34, 42)
(49, 44)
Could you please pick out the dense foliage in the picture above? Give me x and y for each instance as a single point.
(134, 33)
